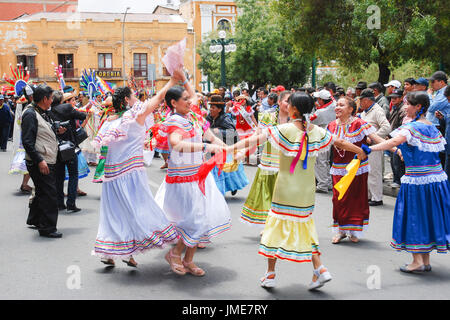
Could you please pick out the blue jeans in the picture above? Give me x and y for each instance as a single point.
(72, 168)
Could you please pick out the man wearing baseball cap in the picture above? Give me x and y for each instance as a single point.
(324, 114)
(421, 84)
(391, 86)
(360, 87)
(279, 89)
(438, 82)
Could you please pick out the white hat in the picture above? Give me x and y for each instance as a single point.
(323, 94)
(394, 83)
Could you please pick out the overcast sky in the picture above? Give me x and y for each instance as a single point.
(115, 6)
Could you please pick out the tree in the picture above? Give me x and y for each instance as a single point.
(263, 55)
(358, 33)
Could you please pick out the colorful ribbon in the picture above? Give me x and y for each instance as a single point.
(302, 154)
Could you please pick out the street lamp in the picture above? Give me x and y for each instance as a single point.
(222, 45)
(123, 44)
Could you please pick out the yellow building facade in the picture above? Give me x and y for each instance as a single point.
(79, 41)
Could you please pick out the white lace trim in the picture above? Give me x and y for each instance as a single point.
(413, 141)
(441, 177)
(343, 172)
(364, 133)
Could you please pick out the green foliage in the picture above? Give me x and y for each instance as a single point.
(349, 78)
(409, 29)
(263, 55)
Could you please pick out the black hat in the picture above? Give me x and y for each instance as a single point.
(439, 76)
(217, 101)
(367, 93)
(396, 93)
(361, 85)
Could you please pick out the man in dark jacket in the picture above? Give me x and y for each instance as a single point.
(221, 124)
(63, 113)
(41, 147)
(6, 120)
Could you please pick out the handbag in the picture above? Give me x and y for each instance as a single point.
(66, 151)
(81, 135)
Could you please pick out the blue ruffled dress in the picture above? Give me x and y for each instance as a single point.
(422, 211)
(230, 181)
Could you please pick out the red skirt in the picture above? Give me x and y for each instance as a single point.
(351, 213)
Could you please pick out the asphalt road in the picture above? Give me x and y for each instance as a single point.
(33, 267)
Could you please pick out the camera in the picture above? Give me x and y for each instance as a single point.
(58, 124)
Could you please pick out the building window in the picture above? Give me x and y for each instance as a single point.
(140, 65)
(224, 24)
(66, 61)
(105, 60)
(29, 63)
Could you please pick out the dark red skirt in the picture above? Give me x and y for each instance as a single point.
(351, 213)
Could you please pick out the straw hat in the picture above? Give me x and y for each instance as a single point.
(69, 95)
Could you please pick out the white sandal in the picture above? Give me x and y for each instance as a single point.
(322, 278)
(266, 282)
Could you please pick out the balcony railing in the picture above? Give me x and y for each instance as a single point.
(139, 73)
(70, 73)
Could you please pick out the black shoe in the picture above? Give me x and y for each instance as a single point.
(53, 235)
(62, 207)
(73, 209)
(233, 193)
(375, 203)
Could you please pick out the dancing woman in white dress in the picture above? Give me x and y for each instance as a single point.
(130, 220)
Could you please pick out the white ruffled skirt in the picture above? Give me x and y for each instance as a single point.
(130, 220)
(197, 217)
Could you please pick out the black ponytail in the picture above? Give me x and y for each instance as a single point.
(119, 98)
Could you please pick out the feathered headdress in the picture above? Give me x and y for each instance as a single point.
(89, 83)
(18, 82)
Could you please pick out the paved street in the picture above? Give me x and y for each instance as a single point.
(38, 268)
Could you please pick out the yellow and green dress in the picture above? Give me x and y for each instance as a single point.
(290, 233)
(259, 200)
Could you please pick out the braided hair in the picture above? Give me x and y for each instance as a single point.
(419, 97)
(304, 104)
(119, 96)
